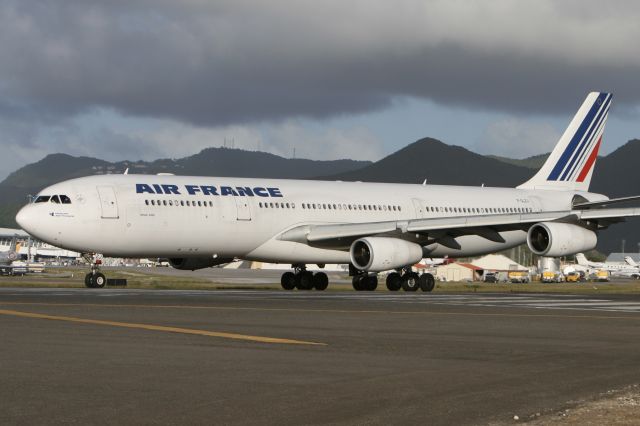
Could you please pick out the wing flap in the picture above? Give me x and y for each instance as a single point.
(325, 232)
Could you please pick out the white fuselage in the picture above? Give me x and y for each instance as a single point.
(184, 216)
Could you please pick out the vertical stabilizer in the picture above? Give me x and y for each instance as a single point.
(630, 261)
(581, 260)
(570, 165)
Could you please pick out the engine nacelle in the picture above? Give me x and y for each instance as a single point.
(193, 263)
(377, 254)
(554, 239)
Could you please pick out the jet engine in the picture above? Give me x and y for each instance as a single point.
(193, 263)
(554, 239)
(377, 254)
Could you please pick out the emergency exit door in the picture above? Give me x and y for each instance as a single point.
(108, 202)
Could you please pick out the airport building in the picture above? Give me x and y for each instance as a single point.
(31, 248)
(619, 257)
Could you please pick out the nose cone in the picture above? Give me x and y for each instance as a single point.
(26, 218)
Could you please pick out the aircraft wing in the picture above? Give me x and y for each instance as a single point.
(487, 226)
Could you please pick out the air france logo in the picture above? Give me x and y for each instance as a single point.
(234, 191)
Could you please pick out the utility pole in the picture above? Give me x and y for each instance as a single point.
(623, 241)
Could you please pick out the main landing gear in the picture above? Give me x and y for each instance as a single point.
(94, 279)
(410, 281)
(303, 279)
(365, 282)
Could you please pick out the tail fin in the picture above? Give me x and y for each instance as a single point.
(570, 165)
(630, 261)
(582, 259)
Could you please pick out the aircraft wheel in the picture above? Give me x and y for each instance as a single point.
(370, 282)
(394, 281)
(410, 281)
(288, 281)
(304, 281)
(88, 280)
(427, 282)
(320, 281)
(358, 282)
(99, 280)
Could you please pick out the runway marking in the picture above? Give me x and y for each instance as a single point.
(234, 336)
(339, 311)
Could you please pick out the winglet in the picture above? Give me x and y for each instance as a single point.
(570, 165)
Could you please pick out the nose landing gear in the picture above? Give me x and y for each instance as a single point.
(94, 279)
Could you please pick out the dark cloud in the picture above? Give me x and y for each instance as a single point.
(220, 63)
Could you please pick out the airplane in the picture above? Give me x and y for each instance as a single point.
(9, 257)
(618, 269)
(200, 222)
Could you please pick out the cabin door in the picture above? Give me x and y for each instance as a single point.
(242, 207)
(419, 206)
(108, 202)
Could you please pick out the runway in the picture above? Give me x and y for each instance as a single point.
(276, 357)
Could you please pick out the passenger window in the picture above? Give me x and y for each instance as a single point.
(55, 199)
(42, 199)
(65, 200)
(146, 202)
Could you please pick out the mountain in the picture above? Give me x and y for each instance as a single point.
(616, 175)
(439, 163)
(31, 178)
(534, 162)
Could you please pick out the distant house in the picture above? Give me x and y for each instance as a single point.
(459, 272)
(498, 262)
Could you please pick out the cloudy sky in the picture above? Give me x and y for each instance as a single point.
(142, 79)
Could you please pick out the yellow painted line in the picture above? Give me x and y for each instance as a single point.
(235, 336)
(332, 311)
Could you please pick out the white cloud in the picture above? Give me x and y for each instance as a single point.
(109, 136)
(517, 138)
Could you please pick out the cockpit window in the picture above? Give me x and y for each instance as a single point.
(55, 199)
(42, 199)
(65, 200)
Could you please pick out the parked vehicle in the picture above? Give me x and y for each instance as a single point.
(490, 277)
(573, 277)
(519, 276)
(551, 277)
(601, 275)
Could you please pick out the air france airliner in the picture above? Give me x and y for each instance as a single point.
(200, 222)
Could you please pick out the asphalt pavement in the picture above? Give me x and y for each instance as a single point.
(84, 356)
